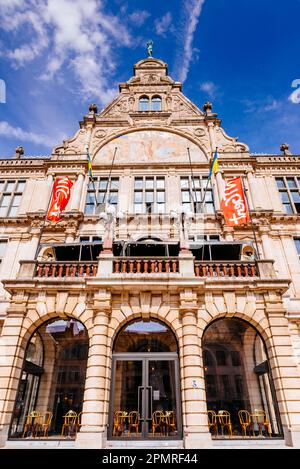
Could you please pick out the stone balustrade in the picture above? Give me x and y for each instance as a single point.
(225, 269)
(145, 265)
(263, 269)
(66, 269)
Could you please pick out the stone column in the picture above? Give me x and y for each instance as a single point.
(77, 193)
(292, 260)
(11, 362)
(266, 242)
(212, 137)
(93, 432)
(48, 193)
(285, 372)
(220, 183)
(196, 433)
(252, 196)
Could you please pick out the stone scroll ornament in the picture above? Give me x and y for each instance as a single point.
(234, 204)
(60, 197)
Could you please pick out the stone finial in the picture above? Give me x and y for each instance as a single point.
(207, 108)
(19, 152)
(93, 108)
(285, 149)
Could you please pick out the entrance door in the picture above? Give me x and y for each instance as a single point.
(145, 397)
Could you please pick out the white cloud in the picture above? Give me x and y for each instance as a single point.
(163, 25)
(261, 105)
(16, 132)
(192, 11)
(295, 96)
(73, 34)
(139, 17)
(209, 88)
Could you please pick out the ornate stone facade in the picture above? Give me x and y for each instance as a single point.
(151, 142)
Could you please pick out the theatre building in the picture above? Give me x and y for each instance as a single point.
(141, 318)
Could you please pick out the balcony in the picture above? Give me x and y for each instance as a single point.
(226, 269)
(115, 267)
(145, 265)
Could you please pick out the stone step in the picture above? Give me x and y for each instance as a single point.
(39, 444)
(161, 444)
(275, 443)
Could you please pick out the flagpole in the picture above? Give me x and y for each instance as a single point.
(251, 221)
(91, 177)
(208, 180)
(110, 171)
(193, 179)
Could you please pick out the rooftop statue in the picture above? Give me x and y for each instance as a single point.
(150, 47)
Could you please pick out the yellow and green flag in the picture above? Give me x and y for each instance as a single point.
(214, 164)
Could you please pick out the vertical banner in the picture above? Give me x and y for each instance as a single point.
(234, 203)
(60, 197)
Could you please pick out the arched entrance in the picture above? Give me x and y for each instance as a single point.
(52, 381)
(145, 401)
(238, 381)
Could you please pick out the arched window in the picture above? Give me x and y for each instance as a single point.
(52, 380)
(142, 336)
(156, 103)
(238, 378)
(144, 103)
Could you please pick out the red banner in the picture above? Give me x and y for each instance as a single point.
(60, 197)
(234, 203)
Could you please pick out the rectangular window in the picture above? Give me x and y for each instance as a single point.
(10, 197)
(149, 194)
(104, 190)
(3, 246)
(297, 244)
(194, 190)
(289, 190)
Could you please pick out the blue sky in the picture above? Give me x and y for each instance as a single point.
(57, 56)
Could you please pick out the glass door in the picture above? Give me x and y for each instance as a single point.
(145, 401)
(128, 399)
(162, 412)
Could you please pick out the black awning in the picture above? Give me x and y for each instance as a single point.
(216, 251)
(32, 368)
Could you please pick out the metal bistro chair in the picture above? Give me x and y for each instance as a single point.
(170, 421)
(31, 423)
(245, 420)
(225, 421)
(260, 418)
(78, 423)
(70, 420)
(44, 423)
(212, 421)
(133, 421)
(118, 422)
(157, 421)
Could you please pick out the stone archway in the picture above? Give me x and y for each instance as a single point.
(239, 380)
(145, 397)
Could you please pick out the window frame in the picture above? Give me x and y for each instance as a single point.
(286, 189)
(198, 181)
(144, 190)
(102, 192)
(11, 193)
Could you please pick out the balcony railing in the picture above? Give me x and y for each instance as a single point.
(225, 269)
(66, 269)
(145, 265)
(184, 266)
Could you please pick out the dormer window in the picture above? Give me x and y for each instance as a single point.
(144, 103)
(156, 103)
(147, 104)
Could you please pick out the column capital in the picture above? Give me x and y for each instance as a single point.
(102, 302)
(188, 302)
